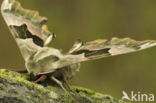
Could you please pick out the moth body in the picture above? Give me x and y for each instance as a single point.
(32, 36)
(44, 61)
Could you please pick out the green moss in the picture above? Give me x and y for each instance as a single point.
(1, 87)
(84, 90)
(19, 83)
(23, 79)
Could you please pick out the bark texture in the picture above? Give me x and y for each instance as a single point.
(16, 88)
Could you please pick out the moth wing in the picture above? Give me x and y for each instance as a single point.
(26, 25)
(102, 48)
(15, 14)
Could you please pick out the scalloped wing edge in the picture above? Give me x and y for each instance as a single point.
(102, 48)
(113, 46)
(15, 14)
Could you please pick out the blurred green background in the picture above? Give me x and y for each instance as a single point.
(93, 19)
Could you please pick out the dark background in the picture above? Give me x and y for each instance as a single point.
(93, 19)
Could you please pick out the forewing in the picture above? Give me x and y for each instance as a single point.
(111, 47)
(26, 25)
(15, 14)
(103, 48)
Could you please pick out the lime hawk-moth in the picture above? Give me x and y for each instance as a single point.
(32, 36)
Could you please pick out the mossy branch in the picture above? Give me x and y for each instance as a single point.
(16, 88)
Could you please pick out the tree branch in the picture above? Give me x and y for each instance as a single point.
(15, 88)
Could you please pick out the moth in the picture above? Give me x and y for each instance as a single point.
(31, 33)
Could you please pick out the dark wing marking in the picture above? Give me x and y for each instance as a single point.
(24, 33)
(114, 46)
(102, 48)
(27, 27)
(15, 15)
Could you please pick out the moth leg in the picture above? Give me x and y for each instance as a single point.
(19, 71)
(61, 85)
(41, 78)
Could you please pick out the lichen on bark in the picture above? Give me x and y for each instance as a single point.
(16, 88)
